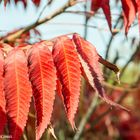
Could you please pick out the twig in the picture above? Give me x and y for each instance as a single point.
(110, 41)
(43, 9)
(89, 26)
(41, 12)
(122, 89)
(86, 21)
(91, 13)
(86, 117)
(109, 44)
(17, 34)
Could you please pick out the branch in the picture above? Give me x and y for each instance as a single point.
(109, 44)
(86, 117)
(14, 36)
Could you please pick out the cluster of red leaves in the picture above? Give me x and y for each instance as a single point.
(40, 70)
(130, 9)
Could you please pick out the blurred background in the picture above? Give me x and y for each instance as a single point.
(95, 119)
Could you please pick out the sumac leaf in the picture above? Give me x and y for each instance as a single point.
(43, 78)
(69, 74)
(89, 59)
(2, 96)
(18, 92)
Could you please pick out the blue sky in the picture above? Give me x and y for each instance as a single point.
(13, 17)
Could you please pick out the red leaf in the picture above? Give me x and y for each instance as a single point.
(69, 74)
(36, 2)
(89, 59)
(18, 92)
(129, 13)
(2, 96)
(104, 4)
(95, 5)
(43, 78)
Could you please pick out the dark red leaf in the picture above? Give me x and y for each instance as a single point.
(43, 77)
(69, 74)
(18, 92)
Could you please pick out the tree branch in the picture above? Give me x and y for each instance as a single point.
(14, 36)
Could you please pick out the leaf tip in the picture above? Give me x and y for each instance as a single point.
(118, 77)
(74, 128)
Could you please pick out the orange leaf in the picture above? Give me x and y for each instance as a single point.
(43, 77)
(69, 74)
(2, 96)
(18, 92)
